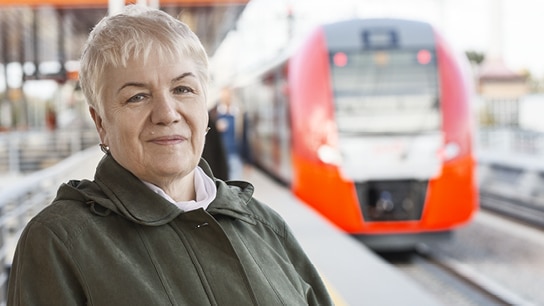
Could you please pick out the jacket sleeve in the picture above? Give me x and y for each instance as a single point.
(43, 272)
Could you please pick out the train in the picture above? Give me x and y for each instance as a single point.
(369, 122)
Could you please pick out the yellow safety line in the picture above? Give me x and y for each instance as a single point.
(335, 296)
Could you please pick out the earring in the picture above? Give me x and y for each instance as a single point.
(207, 130)
(104, 148)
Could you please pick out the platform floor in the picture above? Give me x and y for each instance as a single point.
(355, 275)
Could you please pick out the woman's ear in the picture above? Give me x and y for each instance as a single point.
(98, 122)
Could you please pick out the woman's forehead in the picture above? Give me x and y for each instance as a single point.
(152, 73)
(155, 61)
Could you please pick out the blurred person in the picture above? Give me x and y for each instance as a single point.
(245, 150)
(50, 117)
(228, 125)
(214, 150)
(155, 227)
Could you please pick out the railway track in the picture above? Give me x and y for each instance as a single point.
(452, 282)
(522, 211)
(467, 271)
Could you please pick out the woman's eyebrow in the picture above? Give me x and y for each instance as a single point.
(186, 74)
(136, 84)
(130, 84)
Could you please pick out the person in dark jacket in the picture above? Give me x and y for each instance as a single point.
(214, 149)
(154, 226)
(228, 123)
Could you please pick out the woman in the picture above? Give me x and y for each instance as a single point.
(154, 227)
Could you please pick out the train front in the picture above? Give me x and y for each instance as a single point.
(391, 158)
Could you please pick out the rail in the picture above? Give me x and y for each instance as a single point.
(513, 141)
(511, 173)
(24, 152)
(21, 200)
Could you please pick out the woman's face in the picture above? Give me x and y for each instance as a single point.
(154, 118)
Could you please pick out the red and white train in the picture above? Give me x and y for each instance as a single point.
(369, 122)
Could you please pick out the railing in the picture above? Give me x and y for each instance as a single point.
(27, 152)
(511, 173)
(33, 165)
(511, 140)
(21, 200)
(511, 163)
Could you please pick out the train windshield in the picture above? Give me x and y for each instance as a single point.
(386, 91)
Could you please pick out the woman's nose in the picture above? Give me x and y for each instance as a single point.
(165, 110)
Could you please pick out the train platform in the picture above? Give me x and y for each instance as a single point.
(353, 274)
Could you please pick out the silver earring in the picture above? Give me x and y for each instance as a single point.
(105, 148)
(207, 130)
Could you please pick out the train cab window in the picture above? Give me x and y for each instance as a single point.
(390, 90)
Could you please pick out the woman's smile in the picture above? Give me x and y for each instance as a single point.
(168, 140)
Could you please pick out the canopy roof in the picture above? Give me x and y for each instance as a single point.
(46, 30)
(104, 3)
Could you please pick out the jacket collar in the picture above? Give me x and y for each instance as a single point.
(232, 197)
(122, 192)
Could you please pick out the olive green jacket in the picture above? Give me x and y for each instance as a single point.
(113, 241)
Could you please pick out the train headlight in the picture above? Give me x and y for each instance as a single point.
(329, 155)
(451, 150)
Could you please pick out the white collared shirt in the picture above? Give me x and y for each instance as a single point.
(205, 190)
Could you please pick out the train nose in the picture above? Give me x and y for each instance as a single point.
(401, 200)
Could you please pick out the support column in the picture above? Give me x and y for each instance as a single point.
(115, 6)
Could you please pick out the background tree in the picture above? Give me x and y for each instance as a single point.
(475, 57)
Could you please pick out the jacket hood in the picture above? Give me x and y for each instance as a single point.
(117, 190)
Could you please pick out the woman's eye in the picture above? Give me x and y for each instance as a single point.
(136, 98)
(183, 89)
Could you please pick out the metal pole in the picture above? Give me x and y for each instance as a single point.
(115, 6)
(35, 43)
(6, 104)
(150, 3)
(24, 117)
(61, 45)
(154, 4)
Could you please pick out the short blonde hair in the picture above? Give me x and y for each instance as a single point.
(135, 33)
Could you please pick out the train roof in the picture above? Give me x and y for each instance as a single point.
(350, 34)
(378, 33)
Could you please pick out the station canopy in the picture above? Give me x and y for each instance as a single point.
(88, 3)
(54, 30)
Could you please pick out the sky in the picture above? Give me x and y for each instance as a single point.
(512, 35)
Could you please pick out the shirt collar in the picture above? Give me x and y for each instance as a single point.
(120, 191)
(205, 190)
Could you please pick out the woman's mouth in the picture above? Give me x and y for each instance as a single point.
(168, 140)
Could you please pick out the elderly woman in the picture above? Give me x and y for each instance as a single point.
(154, 227)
